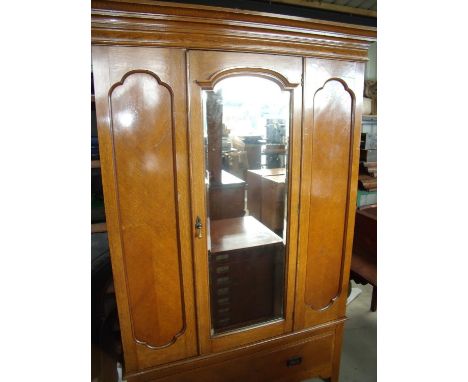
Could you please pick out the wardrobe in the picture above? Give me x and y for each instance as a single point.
(229, 145)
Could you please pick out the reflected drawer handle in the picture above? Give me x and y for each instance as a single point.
(221, 257)
(222, 291)
(224, 321)
(293, 361)
(224, 310)
(223, 301)
(222, 269)
(222, 280)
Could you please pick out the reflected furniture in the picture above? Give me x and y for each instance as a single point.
(154, 65)
(253, 149)
(226, 198)
(266, 196)
(245, 263)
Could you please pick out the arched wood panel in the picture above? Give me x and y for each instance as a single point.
(329, 171)
(331, 139)
(142, 129)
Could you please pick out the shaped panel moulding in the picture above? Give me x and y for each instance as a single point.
(332, 139)
(142, 123)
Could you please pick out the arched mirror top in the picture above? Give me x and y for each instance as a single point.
(276, 77)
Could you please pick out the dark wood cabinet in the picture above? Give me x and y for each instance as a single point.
(225, 275)
(245, 273)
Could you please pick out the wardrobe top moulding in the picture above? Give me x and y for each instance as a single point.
(164, 24)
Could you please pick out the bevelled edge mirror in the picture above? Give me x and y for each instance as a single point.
(246, 124)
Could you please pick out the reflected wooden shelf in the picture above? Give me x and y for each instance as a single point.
(240, 233)
(96, 163)
(98, 227)
(269, 171)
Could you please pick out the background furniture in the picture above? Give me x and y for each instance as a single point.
(367, 192)
(364, 260)
(98, 219)
(106, 345)
(152, 61)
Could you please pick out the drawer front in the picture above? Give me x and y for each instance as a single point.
(291, 362)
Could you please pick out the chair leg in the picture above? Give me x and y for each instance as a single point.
(373, 306)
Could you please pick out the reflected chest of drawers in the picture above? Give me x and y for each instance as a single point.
(246, 269)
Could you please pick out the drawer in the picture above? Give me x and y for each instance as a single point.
(309, 359)
(291, 362)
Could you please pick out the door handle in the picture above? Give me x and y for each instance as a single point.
(198, 227)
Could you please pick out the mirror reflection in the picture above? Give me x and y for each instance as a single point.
(246, 126)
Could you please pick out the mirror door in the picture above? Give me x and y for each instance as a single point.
(246, 142)
(244, 124)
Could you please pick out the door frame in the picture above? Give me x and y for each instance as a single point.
(205, 69)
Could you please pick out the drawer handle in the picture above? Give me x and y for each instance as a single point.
(294, 361)
(222, 257)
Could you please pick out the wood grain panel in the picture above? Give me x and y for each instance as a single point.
(332, 135)
(142, 122)
(141, 111)
(332, 113)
